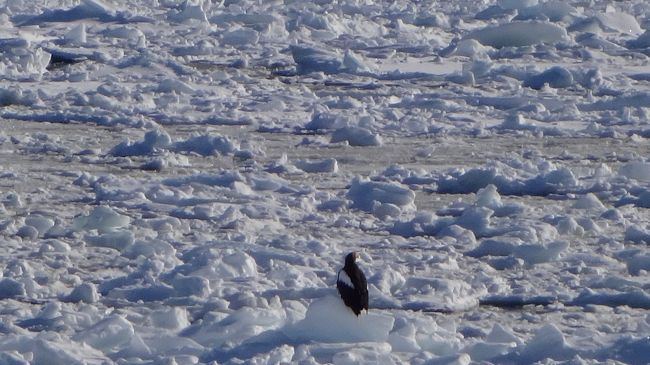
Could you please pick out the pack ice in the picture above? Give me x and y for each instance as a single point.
(180, 181)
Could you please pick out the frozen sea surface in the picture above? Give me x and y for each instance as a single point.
(181, 181)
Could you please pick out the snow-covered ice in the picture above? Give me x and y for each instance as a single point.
(181, 181)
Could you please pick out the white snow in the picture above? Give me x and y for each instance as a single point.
(329, 320)
(181, 180)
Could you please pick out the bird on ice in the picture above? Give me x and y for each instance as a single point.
(352, 285)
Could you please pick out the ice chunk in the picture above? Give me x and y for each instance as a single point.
(632, 297)
(644, 200)
(457, 359)
(191, 285)
(102, 218)
(224, 264)
(118, 240)
(356, 136)
(423, 224)
(635, 170)
(482, 351)
(110, 334)
(628, 350)
(152, 293)
(589, 201)
(327, 165)
(476, 219)
(50, 350)
(27, 232)
(355, 64)
(637, 263)
(569, 225)
(11, 96)
(189, 12)
(12, 358)
(206, 145)
(643, 41)
(134, 36)
(153, 139)
(402, 338)
(240, 37)
(539, 253)
(312, 59)
(534, 253)
(87, 9)
(365, 194)
(493, 247)
(41, 223)
(470, 48)
(242, 324)
(388, 280)
(366, 355)
(425, 293)
(329, 320)
(19, 59)
(548, 342)
(54, 245)
(77, 35)
(556, 77)
(148, 249)
(555, 11)
(86, 292)
(613, 214)
(173, 318)
(488, 197)
(620, 22)
(499, 334)
(174, 86)
(519, 34)
(10, 288)
(12, 200)
(325, 121)
(516, 4)
(223, 178)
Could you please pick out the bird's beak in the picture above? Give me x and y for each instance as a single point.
(361, 257)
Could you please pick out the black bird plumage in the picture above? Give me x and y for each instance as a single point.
(352, 285)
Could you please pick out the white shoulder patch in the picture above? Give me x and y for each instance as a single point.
(345, 279)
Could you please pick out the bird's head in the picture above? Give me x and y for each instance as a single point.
(350, 258)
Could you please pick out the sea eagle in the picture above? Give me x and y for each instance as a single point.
(352, 285)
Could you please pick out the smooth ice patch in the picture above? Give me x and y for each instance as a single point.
(519, 34)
